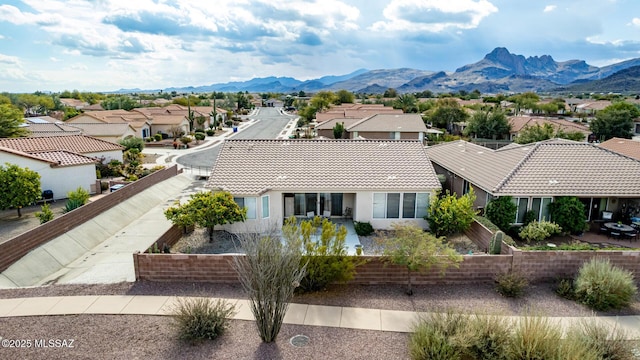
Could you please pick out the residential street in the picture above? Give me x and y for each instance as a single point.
(268, 124)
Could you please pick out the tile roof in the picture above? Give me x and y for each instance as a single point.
(329, 124)
(49, 129)
(549, 168)
(79, 144)
(519, 122)
(103, 129)
(53, 158)
(630, 148)
(250, 167)
(390, 122)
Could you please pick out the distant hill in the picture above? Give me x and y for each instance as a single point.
(498, 72)
(623, 81)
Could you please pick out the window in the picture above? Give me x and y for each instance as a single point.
(388, 205)
(540, 206)
(465, 187)
(522, 204)
(265, 207)
(249, 203)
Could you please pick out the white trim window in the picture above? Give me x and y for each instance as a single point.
(265, 206)
(522, 205)
(400, 205)
(249, 203)
(540, 206)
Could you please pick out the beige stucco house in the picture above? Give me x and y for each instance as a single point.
(376, 181)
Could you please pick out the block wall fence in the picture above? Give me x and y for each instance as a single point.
(15, 248)
(535, 265)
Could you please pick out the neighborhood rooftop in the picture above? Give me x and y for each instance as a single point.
(79, 144)
(250, 167)
(549, 168)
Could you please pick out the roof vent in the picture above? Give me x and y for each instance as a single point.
(553, 182)
(391, 177)
(282, 177)
(285, 144)
(382, 145)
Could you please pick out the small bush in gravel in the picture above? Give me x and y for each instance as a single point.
(536, 337)
(46, 214)
(600, 341)
(511, 284)
(565, 289)
(489, 337)
(438, 336)
(363, 228)
(202, 318)
(602, 286)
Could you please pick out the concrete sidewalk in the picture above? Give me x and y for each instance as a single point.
(299, 314)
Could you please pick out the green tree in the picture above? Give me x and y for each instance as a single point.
(447, 112)
(407, 102)
(19, 187)
(616, 120)
(10, 121)
(449, 214)
(207, 209)
(325, 255)
(488, 125)
(338, 130)
(117, 102)
(535, 133)
(502, 212)
(569, 213)
(411, 247)
(390, 93)
(344, 97)
(322, 100)
(527, 100)
(132, 143)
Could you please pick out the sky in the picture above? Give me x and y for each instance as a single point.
(106, 45)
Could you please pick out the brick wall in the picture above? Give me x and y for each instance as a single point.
(17, 247)
(481, 236)
(537, 266)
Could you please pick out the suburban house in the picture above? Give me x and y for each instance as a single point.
(378, 126)
(627, 147)
(376, 181)
(45, 129)
(534, 174)
(63, 162)
(138, 121)
(354, 111)
(591, 108)
(74, 103)
(520, 122)
(108, 132)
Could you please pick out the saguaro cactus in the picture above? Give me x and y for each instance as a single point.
(495, 247)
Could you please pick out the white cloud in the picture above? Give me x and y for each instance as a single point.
(549, 8)
(635, 22)
(434, 15)
(7, 59)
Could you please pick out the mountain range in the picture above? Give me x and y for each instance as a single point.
(498, 72)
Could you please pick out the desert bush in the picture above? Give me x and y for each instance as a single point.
(325, 256)
(437, 336)
(132, 143)
(157, 137)
(511, 284)
(565, 289)
(449, 214)
(211, 132)
(186, 140)
(79, 194)
(202, 318)
(502, 212)
(535, 337)
(363, 228)
(539, 230)
(600, 341)
(269, 273)
(71, 204)
(489, 337)
(200, 136)
(603, 286)
(45, 214)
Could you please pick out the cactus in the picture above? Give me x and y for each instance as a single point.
(495, 247)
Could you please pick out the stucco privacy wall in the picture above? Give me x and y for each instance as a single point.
(17, 247)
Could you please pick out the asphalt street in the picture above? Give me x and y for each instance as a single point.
(269, 124)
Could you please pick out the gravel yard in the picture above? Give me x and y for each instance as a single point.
(152, 337)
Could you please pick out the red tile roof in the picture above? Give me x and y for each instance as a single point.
(79, 144)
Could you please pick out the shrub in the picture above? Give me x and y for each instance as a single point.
(45, 214)
(132, 143)
(529, 217)
(434, 337)
(79, 194)
(199, 136)
(449, 214)
(228, 123)
(565, 289)
(535, 337)
(211, 132)
(363, 228)
(600, 341)
(501, 211)
(603, 286)
(71, 205)
(157, 137)
(489, 337)
(538, 231)
(325, 256)
(511, 284)
(568, 212)
(186, 139)
(202, 318)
